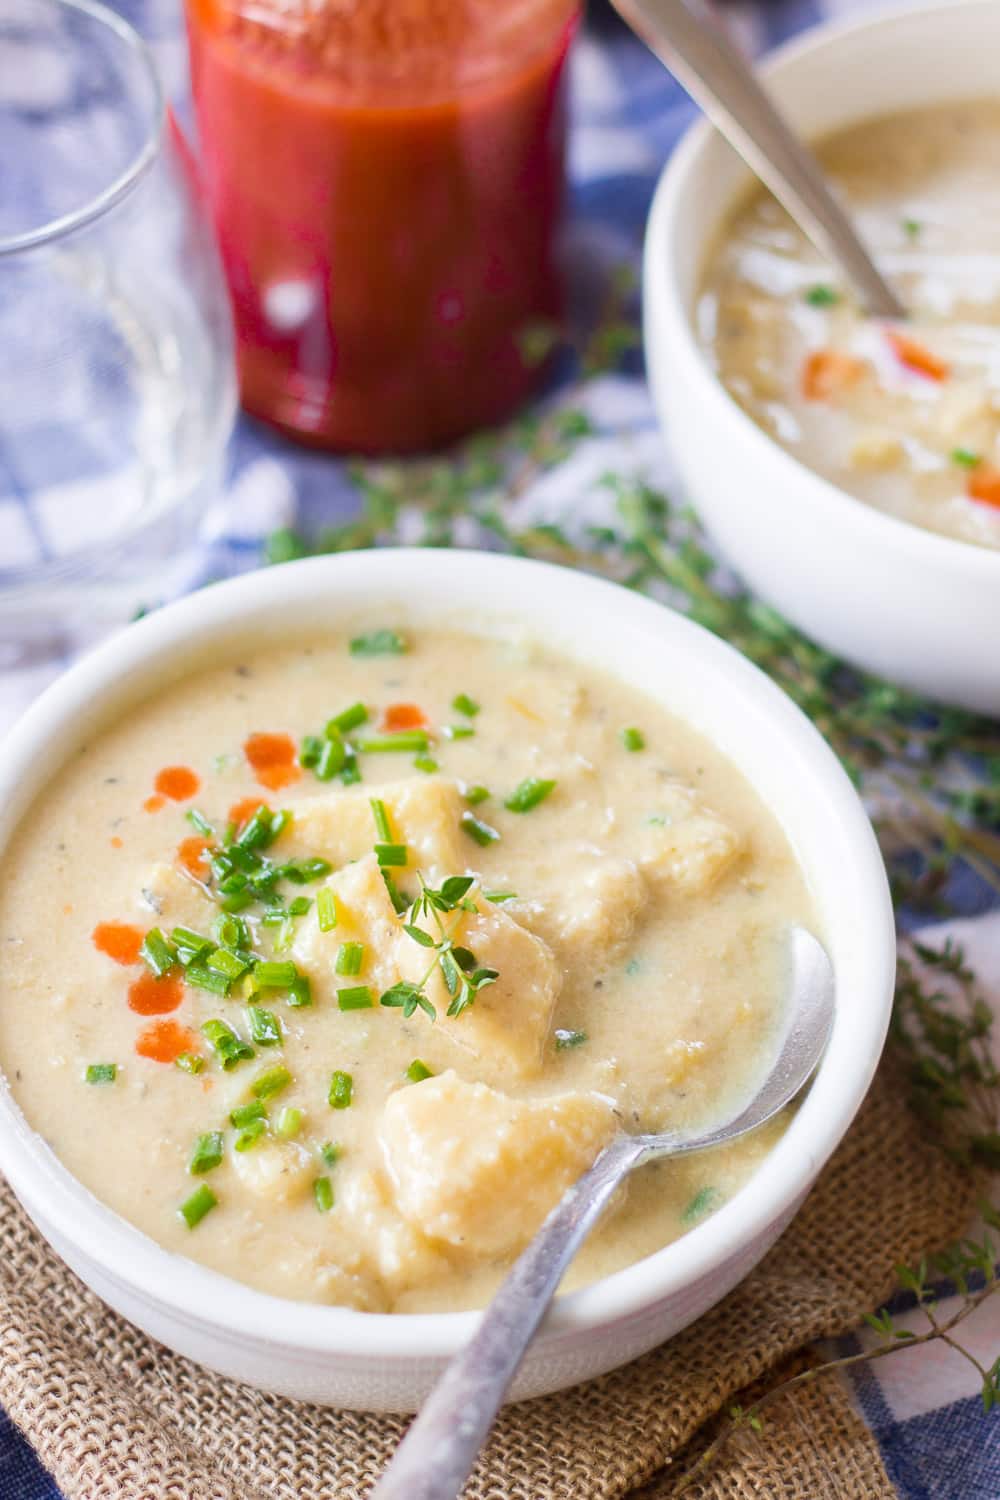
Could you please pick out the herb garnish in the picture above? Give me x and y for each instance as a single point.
(207, 1153)
(341, 1090)
(463, 704)
(529, 794)
(101, 1073)
(194, 1209)
(568, 1038)
(482, 833)
(633, 739)
(323, 1194)
(379, 643)
(822, 296)
(418, 1071)
(463, 976)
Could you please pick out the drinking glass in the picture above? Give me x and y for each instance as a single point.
(117, 388)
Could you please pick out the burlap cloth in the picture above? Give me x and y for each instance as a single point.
(116, 1417)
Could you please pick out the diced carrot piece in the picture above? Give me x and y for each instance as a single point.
(189, 856)
(827, 372)
(149, 996)
(164, 1041)
(983, 484)
(118, 940)
(404, 716)
(272, 757)
(177, 782)
(241, 812)
(916, 356)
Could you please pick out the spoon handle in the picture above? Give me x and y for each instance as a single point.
(438, 1452)
(697, 50)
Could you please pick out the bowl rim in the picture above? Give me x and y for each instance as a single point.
(661, 288)
(193, 1295)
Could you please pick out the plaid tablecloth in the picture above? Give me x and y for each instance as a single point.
(923, 1405)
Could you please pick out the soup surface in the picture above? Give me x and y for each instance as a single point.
(907, 419)
(340, 1006)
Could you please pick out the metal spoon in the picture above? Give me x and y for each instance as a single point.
(685, 37)
(437, 1454)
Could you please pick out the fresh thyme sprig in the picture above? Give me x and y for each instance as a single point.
(968, 1267)
(463, 976)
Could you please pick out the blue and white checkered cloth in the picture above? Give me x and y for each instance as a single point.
(922, 1405)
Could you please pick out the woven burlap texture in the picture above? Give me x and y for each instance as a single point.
(115, 1416)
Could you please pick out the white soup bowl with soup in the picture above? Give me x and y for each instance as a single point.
(252, 1104)
(848, 469)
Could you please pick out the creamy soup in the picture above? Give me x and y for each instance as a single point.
(906, 418)
(332, 967)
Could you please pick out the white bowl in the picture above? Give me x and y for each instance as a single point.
(364, 1360)
(918, 608)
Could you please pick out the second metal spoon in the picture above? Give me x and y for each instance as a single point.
(437, 1454)
(698, 52)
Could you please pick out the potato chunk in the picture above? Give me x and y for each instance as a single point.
(599, 900)
(509, 1020)
(396, 1252)
(424, 814)
(479, 1170)
(279, 1171)
(365, 914)
(175, 900)
(686, 844)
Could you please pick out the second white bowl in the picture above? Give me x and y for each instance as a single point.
(910, 605)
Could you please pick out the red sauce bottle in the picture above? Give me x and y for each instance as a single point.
(387, 182)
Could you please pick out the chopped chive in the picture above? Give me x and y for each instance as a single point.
(101, 1073)
(400, 900)
(299, 993)
(418, 1071)
(458, 731)
(463, 704)
(341, 1090)
(269, 975)
(200, 822)
(245, 1114)
(351, 774)
(326, 909)
(350, 957)
(633, 739)
(237, 901)
(426, 763)
(568, 1038)
(347, 719)
(260, 831)
(157, 954)
(379, 643)
(250, 1135)
(358, 997)
(822, 296)
(231, 932)
(704, 1200)
(288, 1123)
(190, 1062)
(190, 945)
(229, 1048)
(633, 966)
(302, 871)
(529, 794)
(265, 1028)
(323, 1194)
(912, 228)
(201, 1202)
(394, 856)
(481, 832)
(299, 906)
(381, 815)
(965, 458)
(204, 978)
(476, 794)
(273, 1081)
(310, 749)
(207, 1153)
(223, 962)
(331, 759)
(330, 1152)
(497, 897)
(401, 739)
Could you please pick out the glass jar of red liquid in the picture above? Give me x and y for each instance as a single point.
(387, 181)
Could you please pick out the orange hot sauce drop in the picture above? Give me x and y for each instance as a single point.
(118, 940)
(149, 996)
(387, 182)
(164, 1041)
(272, 759)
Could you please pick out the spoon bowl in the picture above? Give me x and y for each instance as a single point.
(438, 1452)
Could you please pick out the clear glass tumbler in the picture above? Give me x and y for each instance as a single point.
(117, 388)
